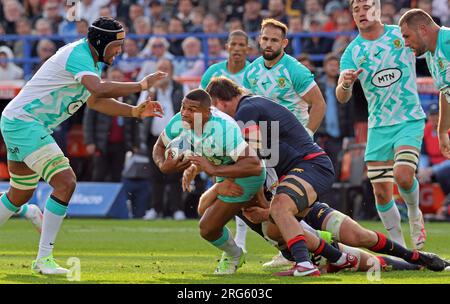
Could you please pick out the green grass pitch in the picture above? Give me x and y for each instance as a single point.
(164, 252)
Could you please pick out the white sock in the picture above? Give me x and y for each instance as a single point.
(227, 244)
(411, 198)
(390, 216)
(53, 217)
(241, 232)
(7, 209)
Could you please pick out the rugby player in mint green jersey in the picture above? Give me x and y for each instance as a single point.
(59, 88)
(220, 151)
(280, 77)
(386, 68)
(427, 38)
(234, 69)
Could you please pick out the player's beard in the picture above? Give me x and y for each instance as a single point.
(274, 55)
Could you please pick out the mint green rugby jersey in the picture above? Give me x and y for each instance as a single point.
(221, 141)
(286, 83)
(439, 62)
(55, 92)
(388, 78)
(220, 69)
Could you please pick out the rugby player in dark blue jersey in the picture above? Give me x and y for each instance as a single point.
(306, 171)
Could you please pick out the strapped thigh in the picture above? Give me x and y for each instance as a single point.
(292, 186)
(380, 174)
(407, 157)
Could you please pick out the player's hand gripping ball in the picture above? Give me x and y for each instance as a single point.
(179, 146)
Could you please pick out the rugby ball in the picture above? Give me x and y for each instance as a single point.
(180, 145)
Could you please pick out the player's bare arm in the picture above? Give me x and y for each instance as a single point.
(169, 165)
(318, 106)
(345, 84)
(103, 88)
(113, 107)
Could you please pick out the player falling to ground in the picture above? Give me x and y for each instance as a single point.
(221, 152)
(424, 36)
(345, 229)
(386, 69)
(281, 78)
(60, 87)
(233, 68)
(305, 169)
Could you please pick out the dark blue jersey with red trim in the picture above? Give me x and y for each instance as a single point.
(285, 141)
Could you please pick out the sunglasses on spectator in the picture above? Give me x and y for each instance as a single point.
(158, 45)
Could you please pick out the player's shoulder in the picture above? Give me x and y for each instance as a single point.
(255, 62)
(77, 51)
(444, 39)
(221, 117)
(217, 66)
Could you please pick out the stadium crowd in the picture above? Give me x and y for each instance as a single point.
(174, 43)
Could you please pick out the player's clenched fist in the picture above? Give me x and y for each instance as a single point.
(349, 77)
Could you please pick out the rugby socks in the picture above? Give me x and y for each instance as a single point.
(226, 243)
(330, 253)
(7, 209)
(299, 251)
(22, 212)
(55, 211)
(411, 198)
(386, 246)
(390, 216)
(241, 233)
(388, 263)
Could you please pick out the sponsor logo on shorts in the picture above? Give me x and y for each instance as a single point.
(319, 214)
(298, 170)
(74, 106)
(386, 77)
(14, 150)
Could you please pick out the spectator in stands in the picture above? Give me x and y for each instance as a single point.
(211, 24)
(82, 27)
(216, 51)
(68, 27)
(193, 63)
(277, 11)
(130, 69)
(23, 27)
(235, 24)
(197, 15)
(427, 6)
(441, 9)
(319, 44)
(142, 26)
(43, 27)
(306, 60)
(8, 70)
(184, 12)
(389, 10)
(333, 9)
(52, 12)
(2, 32)
(157, 12)
(12, 10)
(337, 123)
(105, 11)
(91, 9)
(45, 49)
(252, 17)
(433, 166)
(160, 28)
(170, 94)
(313, 10)
(135, 12)
(33, 9)
(344, 24)
(108, 138)
(176, 27)
(295, 26)
(157, 48)
(120, 8)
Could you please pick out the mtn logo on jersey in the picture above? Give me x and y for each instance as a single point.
(386, 77)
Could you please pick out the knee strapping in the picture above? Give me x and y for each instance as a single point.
(380, 174)
(295, 190)
(407, 158)
(24, 182)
